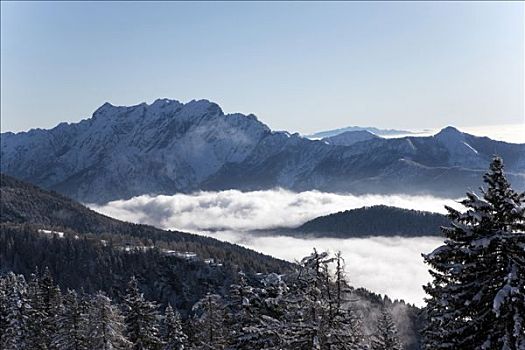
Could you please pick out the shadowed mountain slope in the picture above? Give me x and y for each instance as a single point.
(169, 147)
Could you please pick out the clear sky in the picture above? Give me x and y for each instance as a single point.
(301, 66)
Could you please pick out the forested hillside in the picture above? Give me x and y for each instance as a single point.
(23, 203)
(373, 221)
(46, 237)
(310, 308)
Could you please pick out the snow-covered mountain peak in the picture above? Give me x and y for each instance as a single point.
(449, 132)
(200, 107)
(105, 109)
(169, 147)
(160, 107)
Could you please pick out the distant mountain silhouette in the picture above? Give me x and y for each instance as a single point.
(169, 147)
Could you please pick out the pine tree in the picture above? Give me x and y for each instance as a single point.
(38, 336)
(243, 314)
(386, 337)
(105, 328)
(173, 336)
(4, 310)
(344, 326)
(13, 335)
(309, 303)
(72, 324)
(477, 295)
(208, 323)
(260, 323)
(141, 319)
(52, 305)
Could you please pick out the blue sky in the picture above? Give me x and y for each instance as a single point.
(301, 66)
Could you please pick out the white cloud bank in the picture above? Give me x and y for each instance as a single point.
(385, 265)
(243, 211)
(391, 266)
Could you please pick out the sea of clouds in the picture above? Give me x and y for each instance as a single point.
(386, 265)
(244, 211)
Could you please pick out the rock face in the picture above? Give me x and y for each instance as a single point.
(169, 147)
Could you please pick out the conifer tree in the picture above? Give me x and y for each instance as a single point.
(173, 336)
(386, 337)
(141, 318)
(264, 326)
(208, 323)
(72, 324)
(477, 295)
(3, 310)
(309, 305)
(105, 328)
(52, 305)
(38, 336)
(13, 335)
(243, 314)
(344, 326)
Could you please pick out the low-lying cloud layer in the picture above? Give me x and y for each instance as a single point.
(387, 265)
(244, 211)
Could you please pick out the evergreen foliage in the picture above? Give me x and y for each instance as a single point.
(477, 297)
(386, 334)
(72, 321)
(141, 319)
(362, 222)
(105, 325)
(173, 336)
(308, 309)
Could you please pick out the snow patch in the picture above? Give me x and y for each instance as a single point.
(52, 233)
(470, 147)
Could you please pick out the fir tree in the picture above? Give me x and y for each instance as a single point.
(13, 335)
(243, 314)
(309, 304)
(52, 305)
(105, 328)
(208, 323)
(38, 336)
(4, 310)
(141, 319)
(173, 336)
(477, 296)
(72, 324)
(386, 337)
(267, 308)
(344, 326)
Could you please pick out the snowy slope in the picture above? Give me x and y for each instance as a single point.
(169, 147)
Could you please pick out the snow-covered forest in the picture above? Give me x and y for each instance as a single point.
(308, 309)
(476, 299)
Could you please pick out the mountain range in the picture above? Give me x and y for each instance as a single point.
(169, 147)
(373, 130)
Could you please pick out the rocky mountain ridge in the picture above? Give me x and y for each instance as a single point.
(168, 147)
